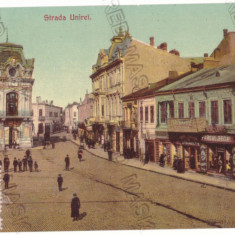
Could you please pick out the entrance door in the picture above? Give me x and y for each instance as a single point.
(10, 137)
(149, 151)
(118, 141)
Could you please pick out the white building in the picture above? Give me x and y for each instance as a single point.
(46, 117)
(71, 116)
(16, 84)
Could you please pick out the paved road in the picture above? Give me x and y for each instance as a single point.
(112, 196)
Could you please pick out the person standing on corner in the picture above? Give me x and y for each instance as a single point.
(60, 182)
(15, 164)
(6, 179)
(67, 162)
(75, 206)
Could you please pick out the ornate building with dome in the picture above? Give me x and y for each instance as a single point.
(16, 84)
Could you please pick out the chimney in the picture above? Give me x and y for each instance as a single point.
(151, 41)
(205, 54)
(225, 32)
(163, 46)
(175, 52)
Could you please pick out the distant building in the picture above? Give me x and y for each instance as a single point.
(224, 53)
(47, 118)
(16, 84)
(71, 116)
(127, 66)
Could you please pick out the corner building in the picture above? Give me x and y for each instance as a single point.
(127, 66)
(16, 84)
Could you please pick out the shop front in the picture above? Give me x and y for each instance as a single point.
(130, 143)
(220, 150)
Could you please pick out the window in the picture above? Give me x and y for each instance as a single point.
(171, 107)
(40, 112)
(191, 110)
(227, 111)
(202, 109)
(214, 112)
(102, 110)
(163, 112)
(146, 114)
(56, 114)
(74, 114)
(12, 103)
(141, 113)
(50, 114)
(152, 114)
(181, 110)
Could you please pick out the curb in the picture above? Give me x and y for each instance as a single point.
(161, 173)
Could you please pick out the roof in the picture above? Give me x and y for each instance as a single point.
(152, 88)
(8, 44)
(195, 60)
(203, 78)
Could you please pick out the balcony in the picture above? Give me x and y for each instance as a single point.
(20, 114)
(129, 125)
(194, 125)
(41, 118)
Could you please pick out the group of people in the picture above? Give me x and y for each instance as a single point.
(26, 162)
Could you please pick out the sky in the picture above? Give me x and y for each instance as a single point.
(65, 51)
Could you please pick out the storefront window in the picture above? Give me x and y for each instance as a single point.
(171, 109)
(163, 112)
(146, 114)
(191, 110)
(202, 109)
(214, 112)
(227, 111)
(181, 110)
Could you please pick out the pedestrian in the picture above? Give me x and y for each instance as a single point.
(80, 154)
(162, 160)
(6, 179)
(15, 164)
(220, 164)
(20, 165)
(6, 163)
(67, 162)
(30, 163)
(25, 161)
(75, 206)
(27, 153)
(35, 166)
(60, 182)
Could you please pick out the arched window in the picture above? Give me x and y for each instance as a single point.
(12, 104)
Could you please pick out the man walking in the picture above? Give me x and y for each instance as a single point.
(67, 162)
(6, 163)
(75, 206)
(6, 179)
(15, 164)
(60, 182)
(20, 165)
(30, 162)
(25, 163)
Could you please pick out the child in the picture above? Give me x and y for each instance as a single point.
(36, 166)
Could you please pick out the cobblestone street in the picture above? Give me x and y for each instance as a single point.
(113, 196)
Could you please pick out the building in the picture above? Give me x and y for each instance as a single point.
(196, 120)
(16, 84)
(127, 66)
(224, 53)
(71, 117)
(85, 113)
(139, 120)
(47, 118)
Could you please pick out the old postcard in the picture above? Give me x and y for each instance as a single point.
(117, 117)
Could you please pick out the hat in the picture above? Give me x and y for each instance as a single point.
(74, 194)
(59, 174)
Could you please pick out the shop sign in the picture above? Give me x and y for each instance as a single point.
(203, 159)
(218, 139)
(186, 124)
(13, 123)
(190, 143)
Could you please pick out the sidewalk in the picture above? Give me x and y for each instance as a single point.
(205, 179)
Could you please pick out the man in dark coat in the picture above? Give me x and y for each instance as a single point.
(30, 162)
(27, 153)
(6, 163)
(60, 182)
(75, 206)
(6, 179)
(25, 162)
(20, 164)
(67, 162)
(15, 164)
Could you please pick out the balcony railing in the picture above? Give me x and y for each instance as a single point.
(41, 118)
(20, 113)
(128, 125)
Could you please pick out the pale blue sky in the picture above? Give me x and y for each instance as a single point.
(65, 51)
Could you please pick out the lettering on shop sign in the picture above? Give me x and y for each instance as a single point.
(218, 138)
(190, 143)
